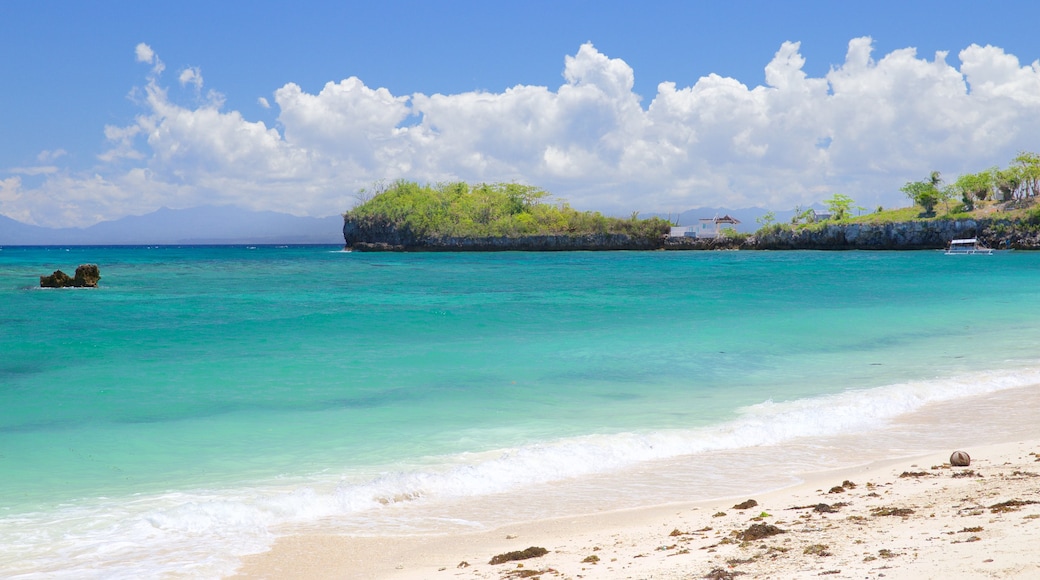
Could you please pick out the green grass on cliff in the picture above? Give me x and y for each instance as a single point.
(1025, 212)
(489, 210)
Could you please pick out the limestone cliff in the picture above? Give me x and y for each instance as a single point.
(913, 235)
(378, 237)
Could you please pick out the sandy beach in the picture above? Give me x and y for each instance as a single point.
(913, 517)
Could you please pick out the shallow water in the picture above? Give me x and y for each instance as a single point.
(204, 399)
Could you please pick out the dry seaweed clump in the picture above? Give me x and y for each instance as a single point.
(890, 511)
(915, 474)
(759, 531)
(746, 505)
(532, 552)
(1010, 506)
(817, 550)
(529, 573)
(722, 574)
(845, 485)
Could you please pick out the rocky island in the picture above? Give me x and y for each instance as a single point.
(498, 217)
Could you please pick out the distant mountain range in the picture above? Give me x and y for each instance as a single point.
(195, 226)
(231, 225)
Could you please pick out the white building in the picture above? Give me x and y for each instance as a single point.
(820, 216)
(705, 228)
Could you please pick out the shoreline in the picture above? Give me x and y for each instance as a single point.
(945, 506)
(636, 542)
(997, 233)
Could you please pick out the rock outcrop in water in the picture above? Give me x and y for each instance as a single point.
(87, 276)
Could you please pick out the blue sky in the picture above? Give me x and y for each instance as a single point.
(94, 131)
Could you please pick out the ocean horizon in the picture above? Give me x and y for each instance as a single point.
(205, 400)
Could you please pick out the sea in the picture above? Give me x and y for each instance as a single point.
(204, 401)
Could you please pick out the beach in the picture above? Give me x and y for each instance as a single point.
(907, 517)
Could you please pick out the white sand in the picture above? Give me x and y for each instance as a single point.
(952, 530)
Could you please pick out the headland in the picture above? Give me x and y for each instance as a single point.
(458, 217)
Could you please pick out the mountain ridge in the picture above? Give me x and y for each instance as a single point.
(200, 225)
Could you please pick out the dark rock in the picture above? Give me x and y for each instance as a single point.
(87, 276)
(58, 279)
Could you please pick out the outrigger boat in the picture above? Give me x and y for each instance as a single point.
(967, 246)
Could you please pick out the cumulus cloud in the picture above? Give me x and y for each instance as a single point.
(863, 129)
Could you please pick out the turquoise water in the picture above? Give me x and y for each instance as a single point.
(217, 394)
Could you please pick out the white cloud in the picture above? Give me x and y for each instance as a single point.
(263, 103)
(46, 156)
(147, 55)
(191, 76)
(144, 53)
(863, 129)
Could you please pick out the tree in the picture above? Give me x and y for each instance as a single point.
(766, 219)
(1028, 169)
(1007, 182)
(363, 195)
(974, 187)
(922, 193)
(943, 194)
(801, 215)
(839, 205)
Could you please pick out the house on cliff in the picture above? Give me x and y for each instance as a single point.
(821, 216)
(706, 228)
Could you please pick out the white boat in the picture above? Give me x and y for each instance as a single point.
(967, 246)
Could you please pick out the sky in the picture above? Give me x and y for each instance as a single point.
(117, 108)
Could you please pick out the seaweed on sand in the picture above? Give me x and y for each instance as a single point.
(532, 552)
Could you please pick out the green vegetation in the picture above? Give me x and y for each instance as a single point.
(840, 206)
(488, 210)
(1020, 181)
(995, 193)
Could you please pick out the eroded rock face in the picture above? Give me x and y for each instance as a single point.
(375, 236)
(58, 279)
(87, 276)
